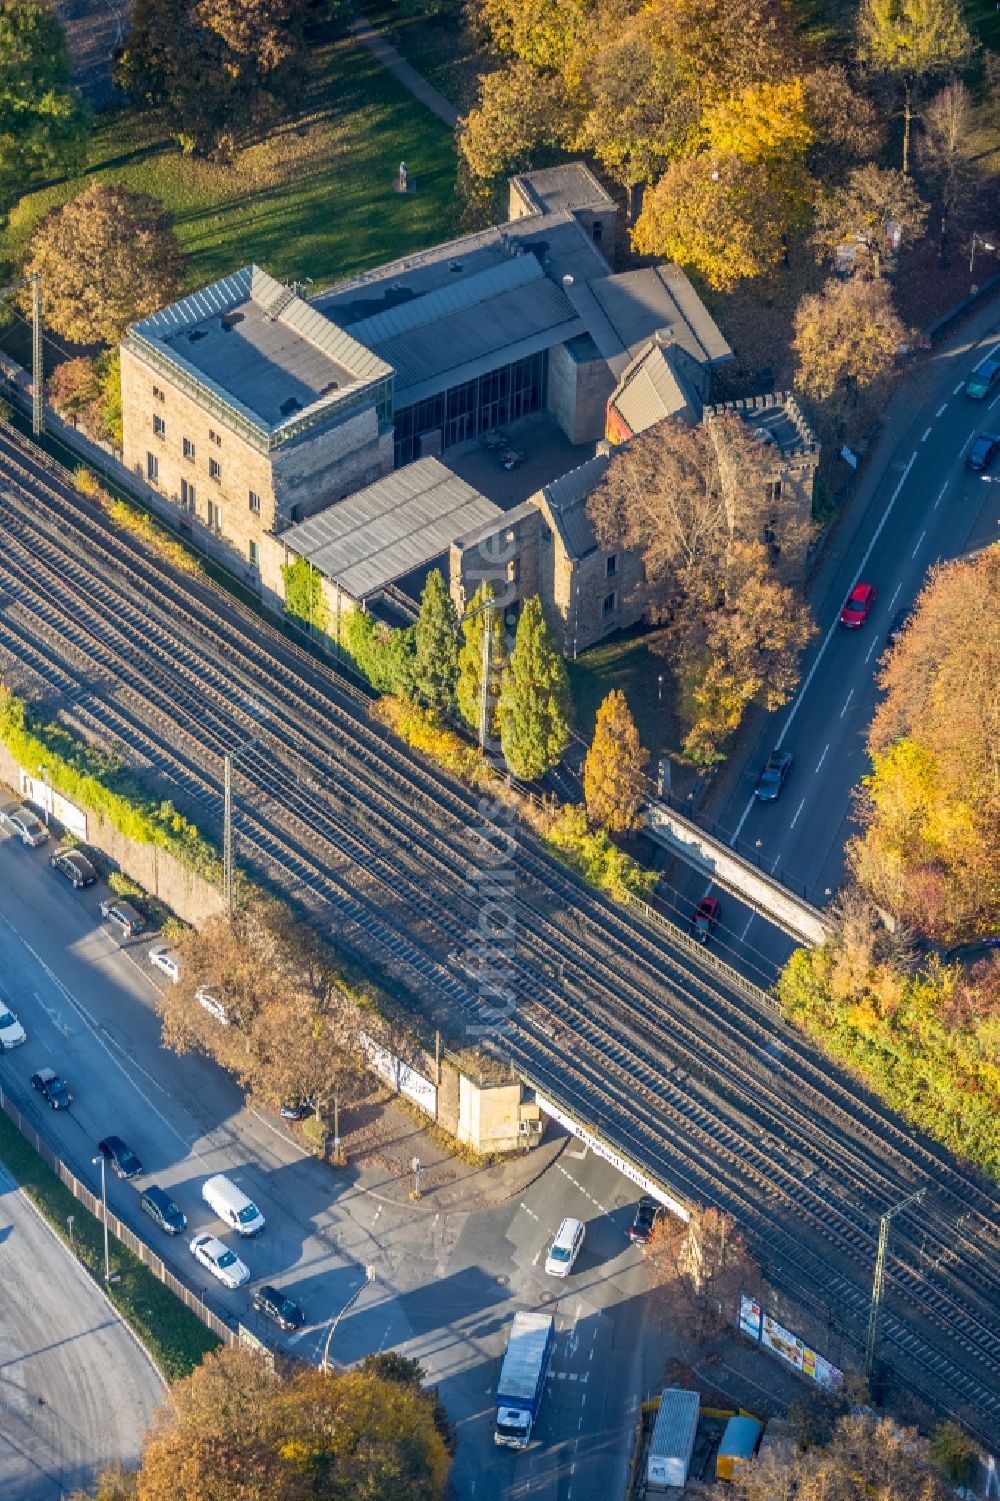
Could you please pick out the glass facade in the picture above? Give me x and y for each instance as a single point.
(477, 406)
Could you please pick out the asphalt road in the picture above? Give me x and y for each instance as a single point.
(76, 1390)
(926, 507)
(446, 1286)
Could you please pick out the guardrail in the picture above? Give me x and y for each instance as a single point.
(705, 956)
(117, 1227)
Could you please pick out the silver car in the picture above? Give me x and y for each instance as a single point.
(26, 825)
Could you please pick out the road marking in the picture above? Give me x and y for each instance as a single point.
(959, 387)
(534, 1216)
(847, 703)
(920, 539)
(871, 648)
(941, 409)
(829, 635)
(926, 435)
(749, 922)
(895, 596)
(797, 812)
(774, 865)
(822, 758)
(536, 1258)
(941, 496)
(993, 403)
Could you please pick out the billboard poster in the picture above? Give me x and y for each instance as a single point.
(399, 1074)
(782, 1342)
(751, 1316)
(827, 1375)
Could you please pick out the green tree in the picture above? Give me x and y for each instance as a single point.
(107, 257)
(614, 781)
(848, 336)
(860, 214)
(470, 659)
(522, 121)
(534, 698)
(435, 662)
(909, 41)
(42, 121)
(954, 1453)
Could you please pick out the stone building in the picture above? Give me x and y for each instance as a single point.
(249, 410)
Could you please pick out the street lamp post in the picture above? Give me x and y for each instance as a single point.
(48, 795)
(104, 1212)
(978, 239)
(227, 817)
(324, 1364)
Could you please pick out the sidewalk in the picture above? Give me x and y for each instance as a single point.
(385, 53)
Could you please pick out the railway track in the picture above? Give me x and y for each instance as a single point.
(656, 1048)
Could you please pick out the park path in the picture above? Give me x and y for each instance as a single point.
(385, 53)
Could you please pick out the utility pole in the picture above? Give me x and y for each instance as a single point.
(37, 366)
(227, 830)
(487, 669)
(876, 1305)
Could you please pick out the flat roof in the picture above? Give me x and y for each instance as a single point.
(569, 186)
(660, 300)
(389, 529)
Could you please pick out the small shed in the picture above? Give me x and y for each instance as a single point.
(673, 1437)
(739, 1443)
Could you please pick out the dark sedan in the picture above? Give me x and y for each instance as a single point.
(273, 1304)
(772, 778)
(647, 1213)
(75, 867)
(52, 1089)
(121, 1157)
(983, 450)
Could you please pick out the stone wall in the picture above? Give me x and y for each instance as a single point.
(506, 555)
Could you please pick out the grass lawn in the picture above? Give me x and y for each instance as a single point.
(626, 662)
(312, 200)
(440, 46)
(175, 1338)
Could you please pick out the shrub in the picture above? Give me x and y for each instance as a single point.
(384, 656)
(422, 729)
(594, 856)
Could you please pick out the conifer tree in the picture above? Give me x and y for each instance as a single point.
(614, 783)
(534, 698)
(470, 659)
(435, 666)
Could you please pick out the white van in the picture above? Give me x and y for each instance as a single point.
(232, 1205)
(564, 1249)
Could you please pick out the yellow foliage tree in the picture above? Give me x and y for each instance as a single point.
(763, 122)
(614, 782)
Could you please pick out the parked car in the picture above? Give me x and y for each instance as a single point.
(125, 918)
(565, 1248)
(900, 621)
(26, 825)
(772, 778)
(121, 1157)
(51, 1088)
(220, 1260)
(858, 605)
(298, 1111)
(985, 376)
(12, 1034)
(158, 1204)
(212, 1005)
(163, 959)
(705, 919)
(273, 1304)
(74, 866)
(982, 451)
(647, 1212)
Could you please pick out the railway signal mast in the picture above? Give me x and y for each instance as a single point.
(37, 365)
(876, 1306)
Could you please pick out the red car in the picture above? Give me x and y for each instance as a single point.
(706, 915)
(859, 605)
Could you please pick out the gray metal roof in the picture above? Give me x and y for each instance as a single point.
(660, 299)
(566, 499)
(387, 530)
(266, 353)
(569, 186)
(653, 387)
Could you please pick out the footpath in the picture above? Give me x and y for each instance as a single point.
(388, 55)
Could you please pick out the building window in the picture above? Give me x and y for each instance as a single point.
(255, 502)
(612, 567)
(514, 571)
(187, 496)
(214, 516)
(772, 491)
(610, 601)
(159, 427)
(158, 394)
(188, 449)
(152, 468)
(597, 231)
(214, 469)
(214, 437)
(254, 555)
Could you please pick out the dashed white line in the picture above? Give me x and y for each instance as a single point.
(871, 648)
(534, 1216)
(993, 403)
(959, 387)
(920, 539)
(797, 812)
(847, 703)
(822, 758)
(749, 924)
(942, 408)
(895, 595)
(941, 496)
(926, 435)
